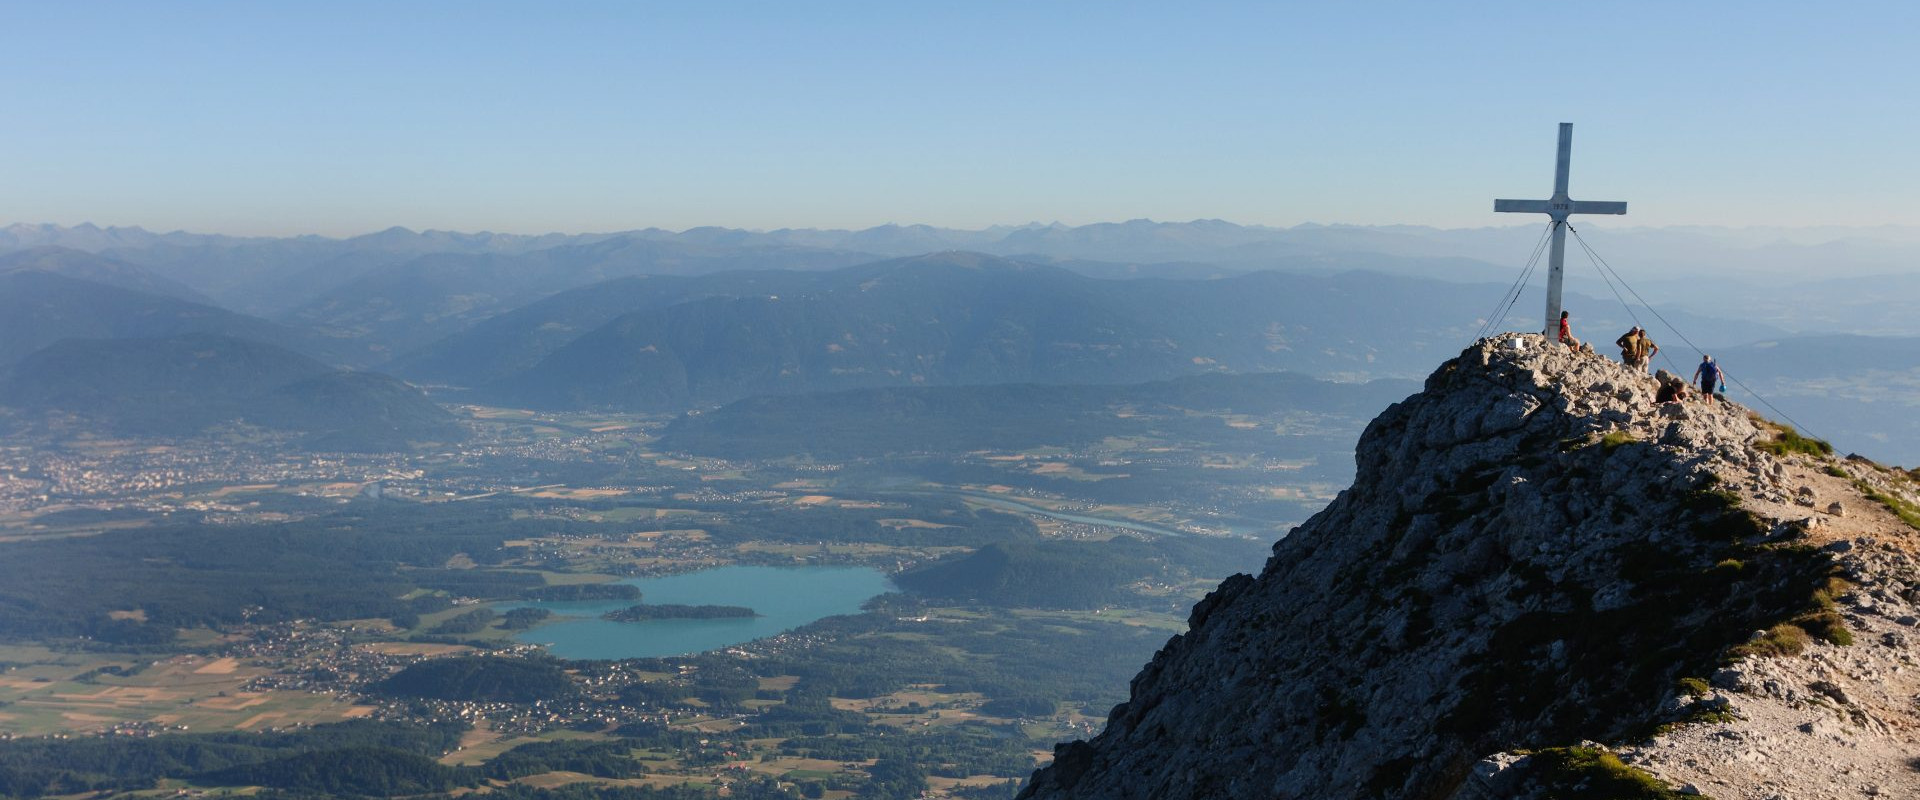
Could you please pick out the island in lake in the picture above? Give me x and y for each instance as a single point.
(582, 591)
(642, 613)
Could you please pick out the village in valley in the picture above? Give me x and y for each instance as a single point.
(589, 500)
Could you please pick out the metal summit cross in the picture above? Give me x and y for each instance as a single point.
(1559, 207)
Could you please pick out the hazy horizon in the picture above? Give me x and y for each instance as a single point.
(281, 120)
(1610, 225)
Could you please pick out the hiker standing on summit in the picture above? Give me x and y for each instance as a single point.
(1636, 350)
(1708, 374)
(1625, 343)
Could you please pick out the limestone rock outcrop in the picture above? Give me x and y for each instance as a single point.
(1541, 578)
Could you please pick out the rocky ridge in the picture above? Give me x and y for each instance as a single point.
(1544, 584)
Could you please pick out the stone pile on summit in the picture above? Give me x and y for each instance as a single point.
(1544, 584)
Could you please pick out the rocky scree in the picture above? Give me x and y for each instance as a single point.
(1534, 556)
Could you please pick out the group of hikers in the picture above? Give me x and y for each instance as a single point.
(1637, 351)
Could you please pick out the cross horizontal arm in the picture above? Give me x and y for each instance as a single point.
(1562, 208)
(1597, 207)
(1522, 206)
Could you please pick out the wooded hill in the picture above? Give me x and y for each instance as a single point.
(38, 308)
(964, 318)
(182, 385)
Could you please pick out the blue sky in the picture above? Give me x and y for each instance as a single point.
(340, 118)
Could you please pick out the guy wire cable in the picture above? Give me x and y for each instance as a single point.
(1493, 320)
(1591, 253)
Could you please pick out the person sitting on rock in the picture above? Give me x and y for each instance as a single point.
(1671, 391)
(1566, 333)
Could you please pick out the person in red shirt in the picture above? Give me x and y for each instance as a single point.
(1566, 332)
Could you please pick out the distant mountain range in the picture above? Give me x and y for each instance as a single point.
(182, 385)
(1765, 273)
(1721, 252)
(953, 319)
(664, 320)
(410, 305)
(967, 318)
(668, 342)
(514, 341)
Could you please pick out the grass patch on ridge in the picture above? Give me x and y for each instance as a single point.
(1907, 512)
(1789, 441)
(1587, 773)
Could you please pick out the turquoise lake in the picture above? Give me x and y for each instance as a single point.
(785, 597)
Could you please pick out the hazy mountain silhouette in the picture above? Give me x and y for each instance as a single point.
(468, 308)
(516, 340)
(400, 308)
(967, 318)
(39, 308)
(181, 385)
(71, 263)
(270, 276)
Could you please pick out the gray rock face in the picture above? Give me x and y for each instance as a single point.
(1531, 554)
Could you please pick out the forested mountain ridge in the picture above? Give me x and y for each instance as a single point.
(459, 309)
(181, 385)
(38, 308)
(399, 308)
(967, 318)
(86, 266)
(516, 340)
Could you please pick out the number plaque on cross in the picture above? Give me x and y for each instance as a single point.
(1558, 208)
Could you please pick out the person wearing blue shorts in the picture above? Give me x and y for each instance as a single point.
(1708, 375)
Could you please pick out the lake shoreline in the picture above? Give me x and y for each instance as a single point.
(782, 598)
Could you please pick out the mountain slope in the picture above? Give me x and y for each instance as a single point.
(40, 308)
(98, 269)
(182, 385)
(966, 318)
(949, 318)
(392, 310)
(1533, 555)
(958, 319)
(516, 340)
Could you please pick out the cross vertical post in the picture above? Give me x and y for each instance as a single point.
(1558, 208)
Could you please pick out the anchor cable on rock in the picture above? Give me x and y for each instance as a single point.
(1558, 208)
(1504, 306)
(1616, 293)
(1600, 264)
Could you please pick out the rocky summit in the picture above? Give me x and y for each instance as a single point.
(1544, 584)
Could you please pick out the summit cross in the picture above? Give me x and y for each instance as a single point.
(1558, 208)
